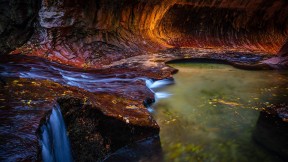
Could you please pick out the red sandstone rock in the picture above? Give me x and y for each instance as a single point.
(97, 34)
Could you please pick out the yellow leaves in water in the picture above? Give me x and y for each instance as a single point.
(250, 105)
(230, 103)
(212, 102)
(224, 102)
(184, 152)
(170, 121)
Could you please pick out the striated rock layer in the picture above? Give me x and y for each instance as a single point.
(126, 39)
(95, 33)
(16, 23)
(111, 99)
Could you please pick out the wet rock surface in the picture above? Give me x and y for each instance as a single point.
(271, 132)
(144, 150)
(16, 23)
(117, 45)
(278, 110)
(24, 102)
(96, 34)
(119, 103)
(94, 135)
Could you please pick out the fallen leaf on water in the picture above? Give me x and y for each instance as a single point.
(230, 103)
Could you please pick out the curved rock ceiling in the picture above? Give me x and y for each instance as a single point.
(128, 41)
(92, 33)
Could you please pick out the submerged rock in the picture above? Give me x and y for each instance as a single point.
(271, 132)
(145, 150)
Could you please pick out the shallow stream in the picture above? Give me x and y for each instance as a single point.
(213, 110)
(210, 113)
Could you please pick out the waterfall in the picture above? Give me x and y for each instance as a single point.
(158, 83)
(54, 140)
(154, 86)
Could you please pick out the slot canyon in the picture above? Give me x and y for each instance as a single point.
(143, 80)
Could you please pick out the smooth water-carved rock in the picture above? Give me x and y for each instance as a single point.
(31, 86)
(16, 23)
(146, 150)
(96, 34)
(271, 132)
(94, 135)
(135, 37)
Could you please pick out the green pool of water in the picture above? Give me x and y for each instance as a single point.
(213, 111)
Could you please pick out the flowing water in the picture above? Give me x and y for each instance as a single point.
(213, 110)
(39, 69)
(208, 114)
(28, 89)
(55, 142)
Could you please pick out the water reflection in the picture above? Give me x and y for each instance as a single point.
(213, 112)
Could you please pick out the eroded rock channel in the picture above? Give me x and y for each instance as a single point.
(94, 58)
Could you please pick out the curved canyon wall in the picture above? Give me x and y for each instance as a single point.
(93, 33)
(16, 23)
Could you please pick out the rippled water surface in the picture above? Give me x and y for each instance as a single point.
(29, 87)
(213, 112)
